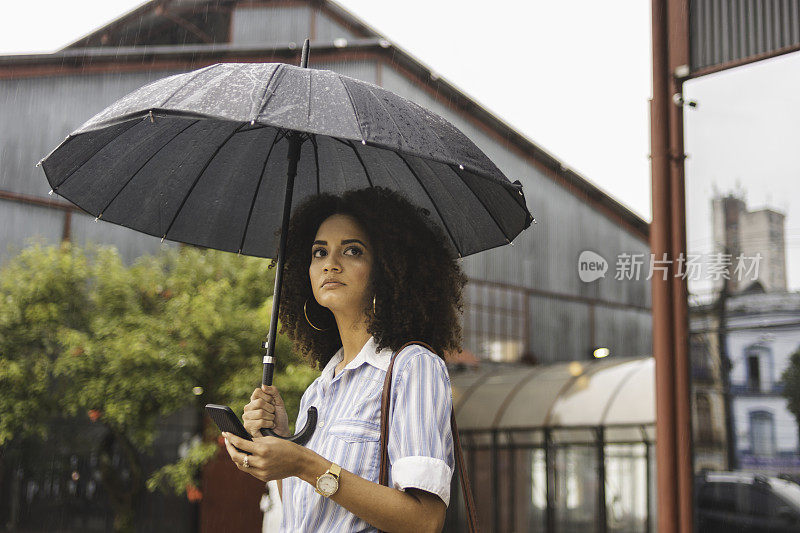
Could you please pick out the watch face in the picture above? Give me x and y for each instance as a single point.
(328, 484)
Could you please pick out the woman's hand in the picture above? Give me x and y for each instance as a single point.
(266, 410)
(270, 457)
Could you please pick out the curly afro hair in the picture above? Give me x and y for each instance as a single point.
(416, 278)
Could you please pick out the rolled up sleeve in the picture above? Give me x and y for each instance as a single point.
(420, 436)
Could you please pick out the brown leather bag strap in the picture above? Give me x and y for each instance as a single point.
(469, 503)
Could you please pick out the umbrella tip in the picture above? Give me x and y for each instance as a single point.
(304, 55)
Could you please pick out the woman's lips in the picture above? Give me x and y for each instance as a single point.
(332, 285)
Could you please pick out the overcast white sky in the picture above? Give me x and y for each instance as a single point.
(573, 76)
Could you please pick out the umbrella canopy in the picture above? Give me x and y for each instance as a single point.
(214, 157)
(201, 158)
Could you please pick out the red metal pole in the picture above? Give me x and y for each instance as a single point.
(661, 289)
(678, 50)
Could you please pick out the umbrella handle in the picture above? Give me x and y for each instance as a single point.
(311, 418)
(302, 437)
(269, 359)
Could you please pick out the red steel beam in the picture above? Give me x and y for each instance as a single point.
(678, 50)
(660, 244)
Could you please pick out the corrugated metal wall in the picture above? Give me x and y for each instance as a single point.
(36, 114)
(545, 257)
(327, 30)
(728, 30)
(20, 222)
(281, 25)
(535, 281)
(43, 111)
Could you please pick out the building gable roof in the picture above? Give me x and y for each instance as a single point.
(145, 38)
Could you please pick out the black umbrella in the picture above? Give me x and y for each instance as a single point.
(201, 158)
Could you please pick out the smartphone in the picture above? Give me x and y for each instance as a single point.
(227, 420)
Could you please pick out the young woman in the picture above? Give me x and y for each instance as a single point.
(364, 274)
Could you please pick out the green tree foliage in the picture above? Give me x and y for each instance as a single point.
(791, 385)
(84, 335)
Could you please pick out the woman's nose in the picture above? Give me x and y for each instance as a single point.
(331, 264)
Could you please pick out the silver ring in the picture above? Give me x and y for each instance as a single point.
(245, 463)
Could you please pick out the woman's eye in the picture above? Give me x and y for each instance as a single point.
(314, 252)
(356, 249)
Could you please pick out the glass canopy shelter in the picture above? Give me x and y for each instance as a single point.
(558, 448)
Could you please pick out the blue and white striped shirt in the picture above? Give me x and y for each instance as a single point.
(348, 431)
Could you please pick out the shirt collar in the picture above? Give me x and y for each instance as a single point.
(369, 354)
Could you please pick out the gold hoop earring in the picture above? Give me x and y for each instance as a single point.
(373, 305)
(305, 312)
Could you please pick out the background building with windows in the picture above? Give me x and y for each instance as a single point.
(740, 345)
(763, 332)
(524, 303)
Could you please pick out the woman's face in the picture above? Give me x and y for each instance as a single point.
(341, 251)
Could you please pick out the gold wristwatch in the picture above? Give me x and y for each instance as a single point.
(328, 483)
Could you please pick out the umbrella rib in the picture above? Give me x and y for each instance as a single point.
(191, 79)
(200, 174)
(453, 168)
(444, 222)
(143, 165)
(353, 105)
(133, 123)
(366, 172)
(265, 98)
(469, 220)
(316, 157)
(260, 179)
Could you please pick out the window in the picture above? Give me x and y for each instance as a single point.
(700, 358)
(705, 427)
(494, 321)
(758, 363)
(762, 434)
(753, 373)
